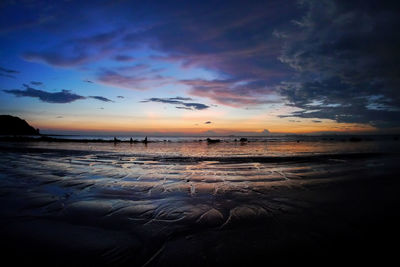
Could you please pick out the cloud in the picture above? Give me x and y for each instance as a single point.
(101, 98)
(233, 40)
(36, 83)
(55, 59)
(178, 101)
(181, 98)
(123, 58)
(193, 106)
(75, 51)
(64, 96)
(234, 93)
(345, 56)
(120, 96)
(9, 73)
(87, 81)
(208, 122)
(339, 58)
(139, 80)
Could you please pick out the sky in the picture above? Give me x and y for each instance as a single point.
(198, 67)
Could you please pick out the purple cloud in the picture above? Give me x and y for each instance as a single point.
(234, 93)
(235, 41)
(136, 81)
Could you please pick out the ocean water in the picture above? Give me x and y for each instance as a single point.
(274, 146)
(132, 203)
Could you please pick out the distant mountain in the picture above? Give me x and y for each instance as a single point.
(10, 125)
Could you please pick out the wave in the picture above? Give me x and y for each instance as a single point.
(145, 157)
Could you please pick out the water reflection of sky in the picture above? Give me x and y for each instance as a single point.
(228, 149)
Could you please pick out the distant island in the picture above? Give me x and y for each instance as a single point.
(11, 125)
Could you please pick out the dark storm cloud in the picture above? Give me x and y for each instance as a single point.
(64, 96)
(346, 55)
(179, 102)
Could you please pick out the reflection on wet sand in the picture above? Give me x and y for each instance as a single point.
(131, 208)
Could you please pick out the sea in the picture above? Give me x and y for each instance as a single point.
(174, 201)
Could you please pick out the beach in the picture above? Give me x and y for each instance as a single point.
(199, 204)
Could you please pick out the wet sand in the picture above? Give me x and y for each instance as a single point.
(77, 207)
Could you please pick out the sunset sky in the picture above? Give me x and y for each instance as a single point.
(227, 67)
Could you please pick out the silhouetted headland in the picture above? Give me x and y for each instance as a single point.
(11, 125)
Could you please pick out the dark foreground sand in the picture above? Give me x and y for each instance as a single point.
(78, 208)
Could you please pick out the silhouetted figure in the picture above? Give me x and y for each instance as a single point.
(116, 140)
(243, 139)
(145, 140)
(131, 140)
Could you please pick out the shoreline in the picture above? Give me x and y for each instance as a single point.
(209, 140)
(65, 207)
(328, 223)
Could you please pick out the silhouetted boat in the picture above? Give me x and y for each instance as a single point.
(211, 141)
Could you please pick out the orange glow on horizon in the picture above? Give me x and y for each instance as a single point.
(189, 126)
